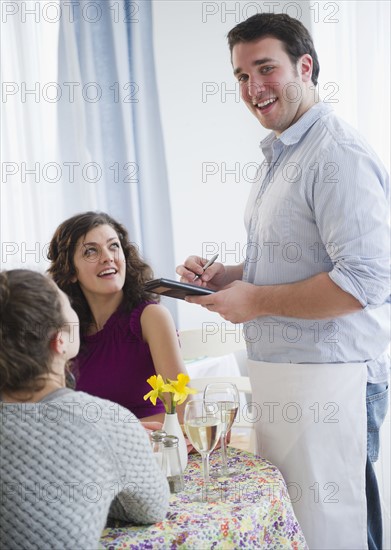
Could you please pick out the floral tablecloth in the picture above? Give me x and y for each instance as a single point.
(251, 510)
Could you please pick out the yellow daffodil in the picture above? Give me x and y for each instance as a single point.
(179, 389)
(157, 384)
(176, 390)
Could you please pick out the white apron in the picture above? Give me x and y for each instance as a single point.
(310, 421)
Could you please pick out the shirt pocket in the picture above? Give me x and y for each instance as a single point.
(274, 219)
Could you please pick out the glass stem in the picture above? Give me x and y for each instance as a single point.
(205, 471)
(224, 453)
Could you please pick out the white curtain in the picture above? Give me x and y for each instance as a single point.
(91, 130)
(29, 150)
(352, 39)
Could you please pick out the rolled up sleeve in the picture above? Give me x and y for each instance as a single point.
(352, 213)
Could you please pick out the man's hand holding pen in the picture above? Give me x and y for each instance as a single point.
(200, 272)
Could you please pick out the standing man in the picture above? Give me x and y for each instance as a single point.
(313, 291)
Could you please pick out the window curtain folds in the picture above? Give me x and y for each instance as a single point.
(96, 134)
(118, 136)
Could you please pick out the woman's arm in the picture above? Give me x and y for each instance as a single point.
(160, 334)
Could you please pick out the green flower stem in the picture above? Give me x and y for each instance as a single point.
(169, 407)
(172, 404)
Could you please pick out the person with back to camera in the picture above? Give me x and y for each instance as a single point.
(126, 336)
(313, 292)
(68, 460)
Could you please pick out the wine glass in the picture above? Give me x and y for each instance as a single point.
(203, 428)
(226, 396)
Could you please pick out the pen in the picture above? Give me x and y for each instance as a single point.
(208, 264)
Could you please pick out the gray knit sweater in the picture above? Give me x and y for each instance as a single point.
(66, 464)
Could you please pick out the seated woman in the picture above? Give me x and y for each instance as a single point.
(68, 460)
(126, 336)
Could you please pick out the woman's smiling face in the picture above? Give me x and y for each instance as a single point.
(100, 262)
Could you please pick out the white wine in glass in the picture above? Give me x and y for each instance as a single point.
(228, 411)
(203, 427)
(204, 433)
(226, 397)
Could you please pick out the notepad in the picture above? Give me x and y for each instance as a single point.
(176, 289)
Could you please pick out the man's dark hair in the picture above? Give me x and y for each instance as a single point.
(293, 34)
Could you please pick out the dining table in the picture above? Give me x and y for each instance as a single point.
(250, 510)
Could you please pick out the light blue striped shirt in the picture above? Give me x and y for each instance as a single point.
(320, 203)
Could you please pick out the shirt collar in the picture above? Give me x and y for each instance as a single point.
(294, 133)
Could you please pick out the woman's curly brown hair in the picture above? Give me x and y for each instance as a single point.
(31, 316)
(62, 252)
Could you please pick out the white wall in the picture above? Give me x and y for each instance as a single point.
(198, 129)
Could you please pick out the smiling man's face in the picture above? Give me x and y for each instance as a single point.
(276, 92)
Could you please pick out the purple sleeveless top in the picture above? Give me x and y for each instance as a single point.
(115, 363)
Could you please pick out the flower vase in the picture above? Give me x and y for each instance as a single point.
(172, 427)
